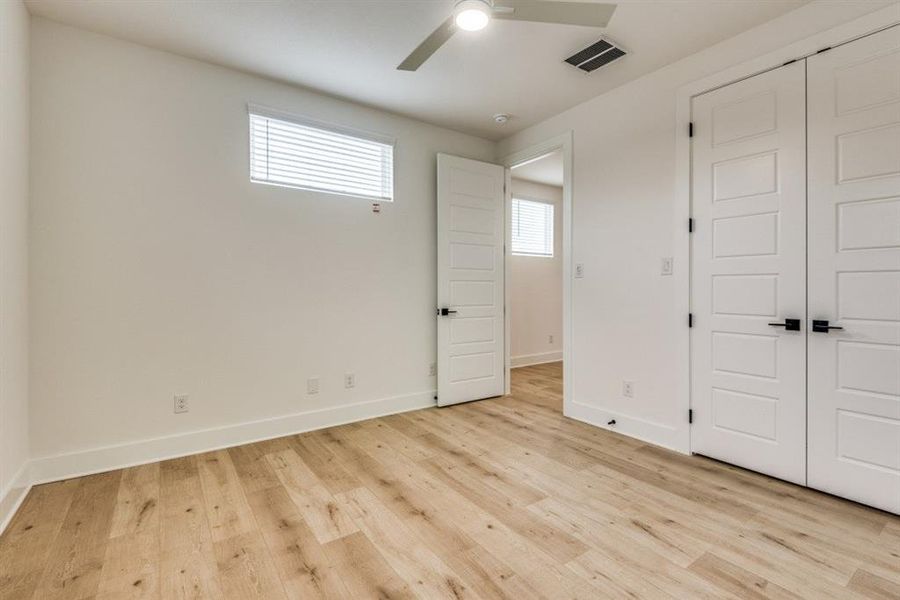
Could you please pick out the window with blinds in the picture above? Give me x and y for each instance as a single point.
(532, 228)
(307, 155)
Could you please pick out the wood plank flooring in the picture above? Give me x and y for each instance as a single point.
(503, 498)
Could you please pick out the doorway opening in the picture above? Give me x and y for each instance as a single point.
(535, 269)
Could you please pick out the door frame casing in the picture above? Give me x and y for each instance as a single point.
(844, 33)
(563, 142)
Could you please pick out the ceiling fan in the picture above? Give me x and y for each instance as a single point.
(473, 15)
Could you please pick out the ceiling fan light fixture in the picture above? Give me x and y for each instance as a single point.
(472, 15)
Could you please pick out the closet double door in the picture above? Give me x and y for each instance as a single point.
(795, 275)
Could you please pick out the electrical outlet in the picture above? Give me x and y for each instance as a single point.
(432, 369)
(666, 265)
(550, 338)
(349, 380)
(312, 386)
(579, 270)
(181, 403)
(628, 389)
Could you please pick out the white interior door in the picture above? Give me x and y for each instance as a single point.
(748, 252)
(854, 270)
(470, 292)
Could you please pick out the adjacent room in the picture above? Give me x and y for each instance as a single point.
(535, 274)
(464, 299)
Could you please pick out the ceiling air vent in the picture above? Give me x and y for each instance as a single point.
(595, 56)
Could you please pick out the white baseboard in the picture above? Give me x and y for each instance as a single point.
(11, 498)
(526, 360)
(642, 429)
(108, 458)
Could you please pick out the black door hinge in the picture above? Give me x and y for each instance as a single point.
(690, 319)
(690, 415)
(691, 129)
(691, 225)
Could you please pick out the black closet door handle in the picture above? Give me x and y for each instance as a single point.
(822, 326)
(789, 324)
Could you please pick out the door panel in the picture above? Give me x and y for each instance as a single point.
(854, 270)
(470, 280)
(748, 270)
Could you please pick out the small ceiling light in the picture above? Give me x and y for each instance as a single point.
(472, 15)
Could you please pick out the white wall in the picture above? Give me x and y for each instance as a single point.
(626, 322)
(535, 286)
(14, 22)
(159, 269)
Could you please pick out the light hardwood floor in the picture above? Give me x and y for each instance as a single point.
(503, 498)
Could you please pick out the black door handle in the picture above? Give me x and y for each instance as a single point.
(789, 324)
(821, 326)
(446, 311)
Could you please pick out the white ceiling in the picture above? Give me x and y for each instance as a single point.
(547, 170)
(350, 48)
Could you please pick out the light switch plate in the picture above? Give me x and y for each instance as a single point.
(579, 270)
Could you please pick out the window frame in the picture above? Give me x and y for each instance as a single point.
(512, 200)
(328, 127)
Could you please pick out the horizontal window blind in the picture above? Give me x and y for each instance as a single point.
(301, 155)
(532, 228)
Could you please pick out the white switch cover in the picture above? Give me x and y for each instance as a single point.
(579, 270)
(666, 265)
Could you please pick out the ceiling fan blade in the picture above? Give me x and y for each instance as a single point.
(424, 50)
(588, 14)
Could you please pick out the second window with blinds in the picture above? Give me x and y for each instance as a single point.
(532, 228)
